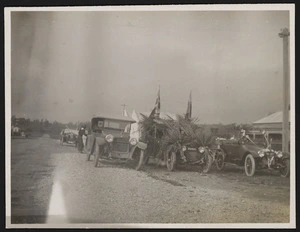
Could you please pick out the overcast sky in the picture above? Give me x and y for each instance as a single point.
(69, 66)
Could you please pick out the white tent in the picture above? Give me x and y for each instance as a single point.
(135, 129)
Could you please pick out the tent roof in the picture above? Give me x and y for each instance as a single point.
(272, 118)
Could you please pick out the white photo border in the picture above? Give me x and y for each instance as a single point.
(214, 7)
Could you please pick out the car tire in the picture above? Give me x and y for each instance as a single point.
(249, 165)
(220, 160)
(208, 163)
(285, 172)
(140, 160)
(171, 161)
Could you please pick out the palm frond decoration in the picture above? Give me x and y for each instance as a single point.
(162, 133)
(204, 137)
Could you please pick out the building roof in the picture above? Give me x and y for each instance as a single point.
(272, 118)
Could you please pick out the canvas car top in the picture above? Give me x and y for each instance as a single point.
(118, 118)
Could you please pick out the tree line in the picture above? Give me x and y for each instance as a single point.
(42, 126)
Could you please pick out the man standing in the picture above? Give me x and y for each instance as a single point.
(81, 132)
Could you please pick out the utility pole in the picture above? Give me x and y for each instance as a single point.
(123, 109)
(284, 34)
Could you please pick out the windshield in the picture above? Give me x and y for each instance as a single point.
(110, 124)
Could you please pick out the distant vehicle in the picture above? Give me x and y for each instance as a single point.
(110, 139)
(245, 152)
(68, 136)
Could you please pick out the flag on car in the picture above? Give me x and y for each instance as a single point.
(156, 110)
(188, 114)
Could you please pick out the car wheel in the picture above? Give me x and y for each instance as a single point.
(140, 160)
(207, 163)
(171, 161)
(249, 165)
(285, 172)
(220, 160)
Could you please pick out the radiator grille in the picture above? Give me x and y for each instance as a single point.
(120, 147)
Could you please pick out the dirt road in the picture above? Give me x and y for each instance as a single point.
(51, 183)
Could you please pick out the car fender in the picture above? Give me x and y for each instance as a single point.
(142, 145)
(253, 153)
(139, 145)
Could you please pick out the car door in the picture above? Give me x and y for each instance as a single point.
(231, 149)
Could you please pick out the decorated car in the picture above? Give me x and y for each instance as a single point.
(68, 136)
(110, 139)
(244, 152)
(177, 142)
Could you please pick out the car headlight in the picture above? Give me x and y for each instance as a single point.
(183, 148)
(201, 149)
(133, 141)
(109, 138)
(261, 153)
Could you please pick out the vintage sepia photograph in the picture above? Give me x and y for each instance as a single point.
(150, 116)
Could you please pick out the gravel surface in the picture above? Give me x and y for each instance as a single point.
(49, 180)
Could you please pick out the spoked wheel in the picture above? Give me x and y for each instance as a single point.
(249, 165)
(220, 160)
(171, 161)
(285, 172)
(207, 163)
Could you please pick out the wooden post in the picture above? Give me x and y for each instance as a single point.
(284, 34)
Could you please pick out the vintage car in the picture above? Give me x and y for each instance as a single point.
(110, 139)
(68, 136)
(189, 154)
(182, 142)
(245, 152)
